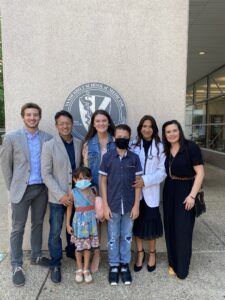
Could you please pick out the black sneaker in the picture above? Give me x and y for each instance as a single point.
(114, 275)
(56, 275)
(125, 274)
(41, 261)
(18, 277)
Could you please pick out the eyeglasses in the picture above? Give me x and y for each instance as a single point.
(65, 124)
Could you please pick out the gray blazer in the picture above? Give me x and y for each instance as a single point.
(15, 162)
(56, 168)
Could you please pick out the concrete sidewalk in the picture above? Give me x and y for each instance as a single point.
(205, 281)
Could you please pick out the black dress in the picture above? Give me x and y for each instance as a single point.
(178, 222)
(148, 226)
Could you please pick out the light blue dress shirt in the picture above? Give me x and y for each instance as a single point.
(34, 145)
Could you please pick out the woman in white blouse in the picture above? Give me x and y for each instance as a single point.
(148, 226)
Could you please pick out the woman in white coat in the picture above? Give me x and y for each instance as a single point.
(148, 226)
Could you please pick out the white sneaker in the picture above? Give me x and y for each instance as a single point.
(79, 276)
(87, 276)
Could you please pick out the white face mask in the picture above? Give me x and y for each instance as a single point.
(83, 184)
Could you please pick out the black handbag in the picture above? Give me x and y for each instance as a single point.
(200, 206)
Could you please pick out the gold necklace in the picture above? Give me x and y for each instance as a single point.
(170, 164)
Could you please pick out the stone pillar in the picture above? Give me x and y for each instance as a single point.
(137, 47)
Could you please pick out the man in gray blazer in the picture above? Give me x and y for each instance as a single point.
(60, 157)
(21, 167)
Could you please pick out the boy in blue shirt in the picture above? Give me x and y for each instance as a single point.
(119, 169)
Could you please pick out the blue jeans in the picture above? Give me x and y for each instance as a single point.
(119, 239)
(57, 212)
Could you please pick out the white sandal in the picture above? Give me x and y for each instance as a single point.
(79, 276)
(87, 276)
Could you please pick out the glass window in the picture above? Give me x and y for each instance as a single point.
(217, 83)
(199, 134)
(199, 113)
(201, 90)
(216, 122)
(205, 111)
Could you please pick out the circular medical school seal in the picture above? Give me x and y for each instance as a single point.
(87, 98)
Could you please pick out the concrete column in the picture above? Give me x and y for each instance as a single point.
(137, 47)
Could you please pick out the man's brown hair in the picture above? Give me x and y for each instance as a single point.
(30, 105)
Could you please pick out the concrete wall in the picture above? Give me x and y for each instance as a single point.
(137, 47)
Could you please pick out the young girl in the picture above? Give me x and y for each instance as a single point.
(84, 228)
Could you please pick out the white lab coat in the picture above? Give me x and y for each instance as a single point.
(154, 171)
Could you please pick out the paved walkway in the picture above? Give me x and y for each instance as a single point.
(205, 281)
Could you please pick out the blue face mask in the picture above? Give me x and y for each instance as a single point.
(83, 184)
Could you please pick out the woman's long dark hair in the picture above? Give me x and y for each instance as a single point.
(182, 139)
(92, 131)
(154, 128)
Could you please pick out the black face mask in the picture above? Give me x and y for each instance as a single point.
(122, 143)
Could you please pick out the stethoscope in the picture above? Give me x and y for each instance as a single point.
(150, 156)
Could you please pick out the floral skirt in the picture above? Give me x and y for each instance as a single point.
(85, 244)
(85, 232)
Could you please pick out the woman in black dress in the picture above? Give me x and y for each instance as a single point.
(185, 173)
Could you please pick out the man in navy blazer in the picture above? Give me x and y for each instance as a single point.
(21, 167)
